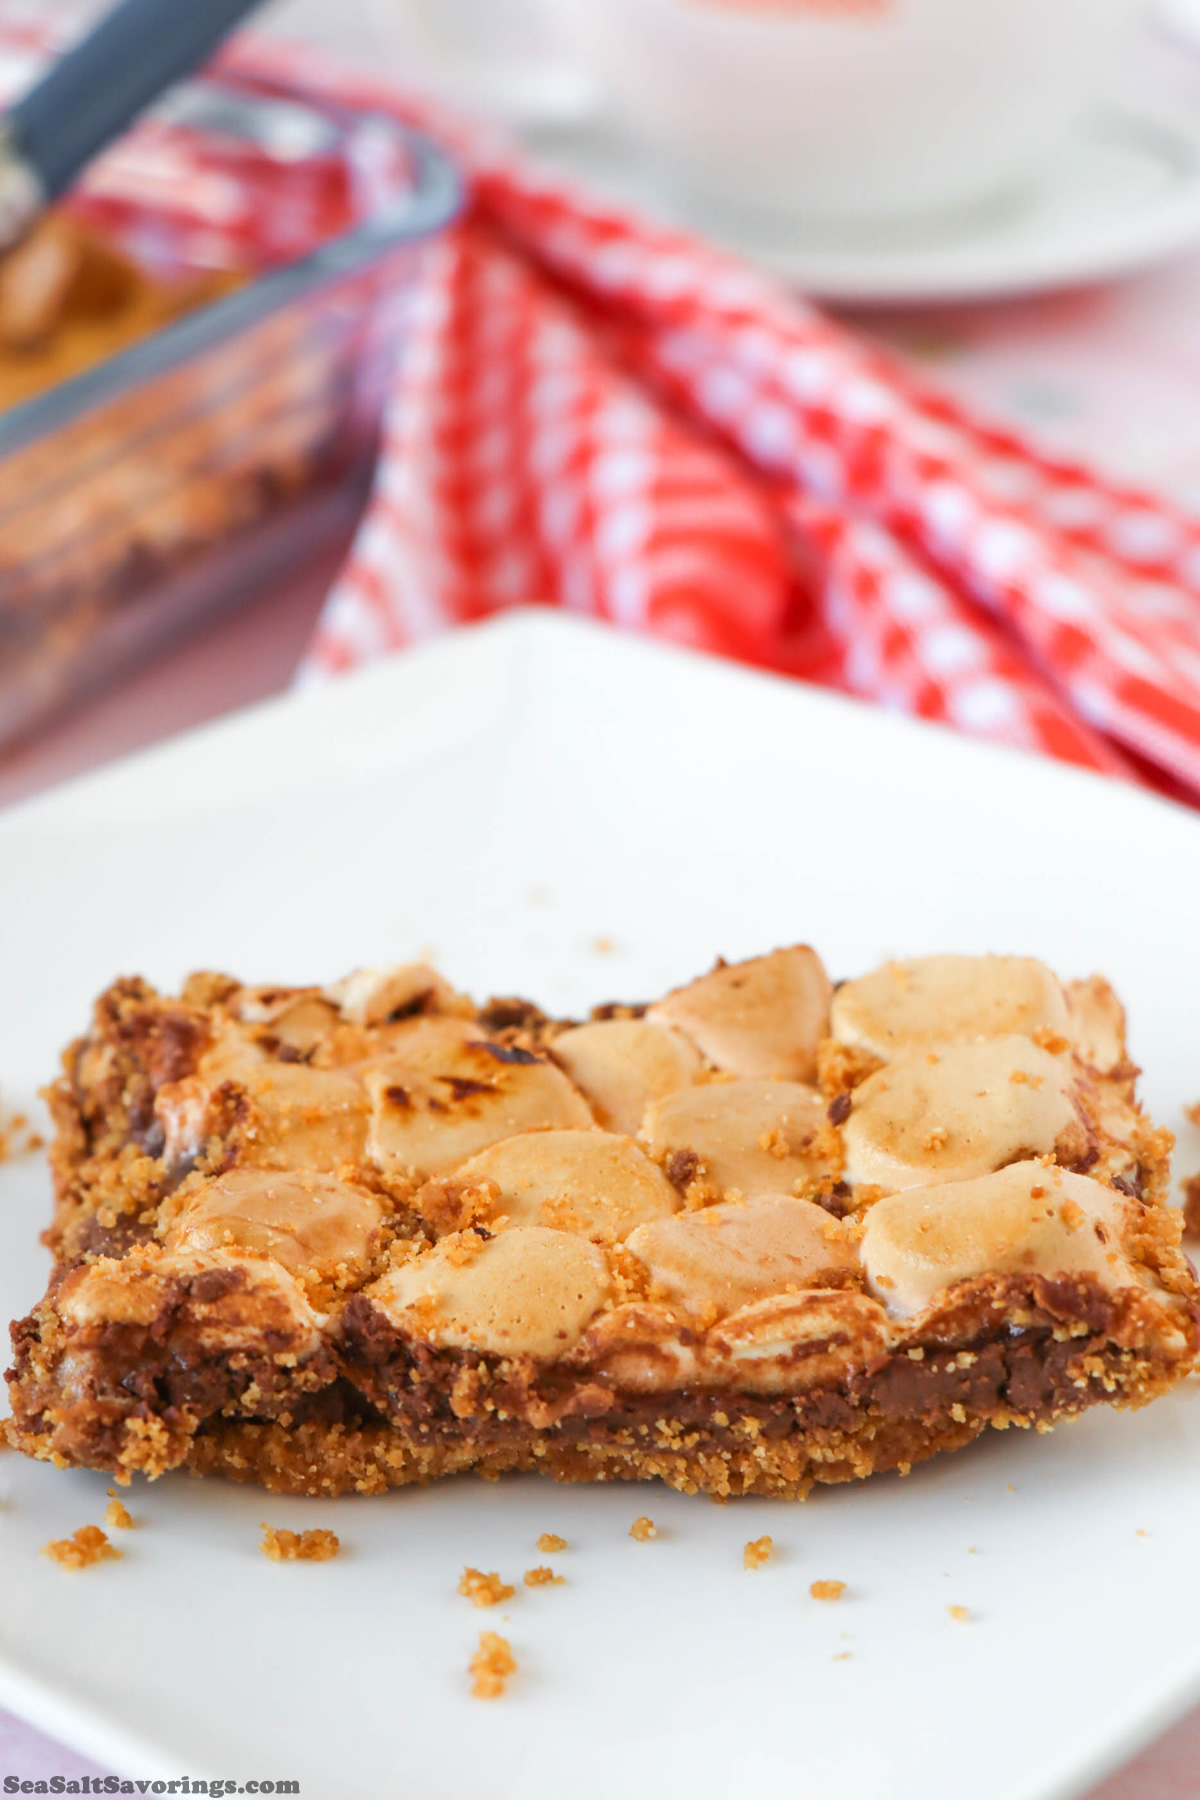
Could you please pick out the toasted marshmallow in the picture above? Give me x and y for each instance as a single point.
(1028, 1219)
(762, 1019)
(265, 1005)
(1097, 1024)
(752, 1136)
(794, 1342)
(311, 1224)
(939, 1000)
(296, 1117)
(371, 996)
(962, 1111)
(623, 1064)
(527, 1292)
(586, 1181)
(641, 1347)
(730, 1256)
(452, 1093)
(227, 1303)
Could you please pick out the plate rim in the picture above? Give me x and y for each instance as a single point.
(521, 633)
(959, 269)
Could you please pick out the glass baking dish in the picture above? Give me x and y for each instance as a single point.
(217, 455)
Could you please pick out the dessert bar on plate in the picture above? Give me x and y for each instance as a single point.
(759, 1234)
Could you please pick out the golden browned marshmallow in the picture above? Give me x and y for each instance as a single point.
(623, 1064)
(1097, 1024)
(763, 1018)
(231, 1303)
(965, 1110)
(938, 1000)
(293, 1116)
(370, 996)
(1028, 1219)
(264, 1005)
(185, 1110)
(305, 1118)
(311, 1224)
(303, 1028)
(752, 1136)
(586, 1181)
(794, 1342)
(639, 1347)
(730, 1256)
(527, 1292)
(452, 1093)
(113, 1291)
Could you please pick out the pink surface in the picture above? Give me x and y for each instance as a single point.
(1111, 373)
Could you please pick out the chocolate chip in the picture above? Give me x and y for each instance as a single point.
(839, 1109)
(211, 1284)
(683, 1168)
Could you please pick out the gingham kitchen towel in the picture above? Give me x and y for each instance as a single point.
(603, 414)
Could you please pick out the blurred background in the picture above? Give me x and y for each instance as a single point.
(1060, 294)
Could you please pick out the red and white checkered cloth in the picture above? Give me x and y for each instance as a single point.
(606, 415)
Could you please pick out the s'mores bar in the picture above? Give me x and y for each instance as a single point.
(759, 1234)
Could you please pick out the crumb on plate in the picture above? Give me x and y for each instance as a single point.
(827, 1590)
(959, 1614)
(117, 1516)
(298, 1546)
(643, 1528)
(542, 1578)
(550, 1542)
(757, 1552)
(491, 1666)
(17, 1138)
(484, 1590)
(84, 1547)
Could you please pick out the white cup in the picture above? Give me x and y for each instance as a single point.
(853, 111)
(498, 55)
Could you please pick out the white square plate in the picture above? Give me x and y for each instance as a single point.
(517, 796)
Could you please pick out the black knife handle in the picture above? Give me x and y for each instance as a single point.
(98, 88)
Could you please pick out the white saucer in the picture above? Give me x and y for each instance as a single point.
(1126, 194)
